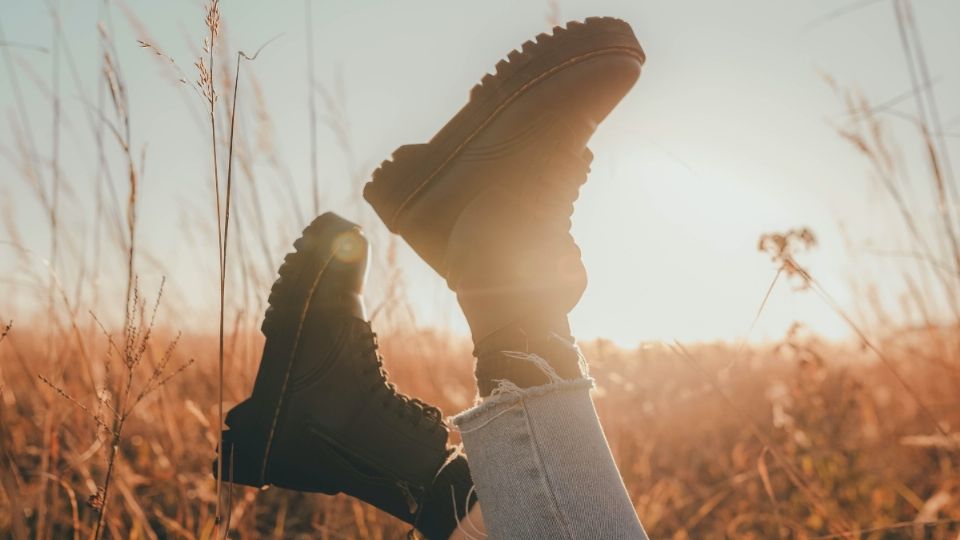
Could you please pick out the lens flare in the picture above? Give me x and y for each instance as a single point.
(348, 246)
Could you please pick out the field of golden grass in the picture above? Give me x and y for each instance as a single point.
(801, 439)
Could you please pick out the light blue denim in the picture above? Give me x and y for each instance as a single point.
(541, 464)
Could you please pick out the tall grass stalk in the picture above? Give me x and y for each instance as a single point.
(207, 85)
(312, 108)
(54, 150)
(213, 23)
(938, 155)
(52, 215)
(782, 249)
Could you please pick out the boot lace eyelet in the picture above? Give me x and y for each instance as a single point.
(405, 407)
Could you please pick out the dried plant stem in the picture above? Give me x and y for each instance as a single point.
(874, 148)
(213, 25)
(896, 526)
(136, 338)
(52, 213)
(107, 480)
(796, 477)
(116, 431)
(756, 316)
(223, 275)
(54, 160)
(226, 218)
(907, 21)
(867, 342)
(927, 112)
(312, 107)
(117, 90)
(24, 124)
(99, 178)
(8, 482)
(207, 84)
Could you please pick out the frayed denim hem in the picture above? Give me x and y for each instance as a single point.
(506, 396)
(507, 393)
(540, 462)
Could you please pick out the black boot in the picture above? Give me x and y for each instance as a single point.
(322, 416)
(487, 202)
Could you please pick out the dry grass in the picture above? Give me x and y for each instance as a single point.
(99, 437)
(802, 439)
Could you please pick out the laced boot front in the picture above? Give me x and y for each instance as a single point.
(323, 415)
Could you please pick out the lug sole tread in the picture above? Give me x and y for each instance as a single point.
(411, 168)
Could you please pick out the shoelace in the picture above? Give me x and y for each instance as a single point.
(402, 403)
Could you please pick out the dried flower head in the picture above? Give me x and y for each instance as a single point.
(6, 330)
(205, 81)
(782, 248)
(96, 500)
(213, 17)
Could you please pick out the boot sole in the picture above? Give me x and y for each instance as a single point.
(413, 168)
(254, 423)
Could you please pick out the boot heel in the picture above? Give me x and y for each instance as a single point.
(241, 462)
(396, 181)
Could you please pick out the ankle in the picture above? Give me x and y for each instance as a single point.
(531, 353)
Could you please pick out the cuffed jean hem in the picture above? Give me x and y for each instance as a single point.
(542, 467)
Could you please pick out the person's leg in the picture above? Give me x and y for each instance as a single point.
(538, 455)
(541, 464)
(487, 203)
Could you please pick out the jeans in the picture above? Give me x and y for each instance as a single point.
(541, 464)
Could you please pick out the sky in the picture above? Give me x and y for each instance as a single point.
(729, 133)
